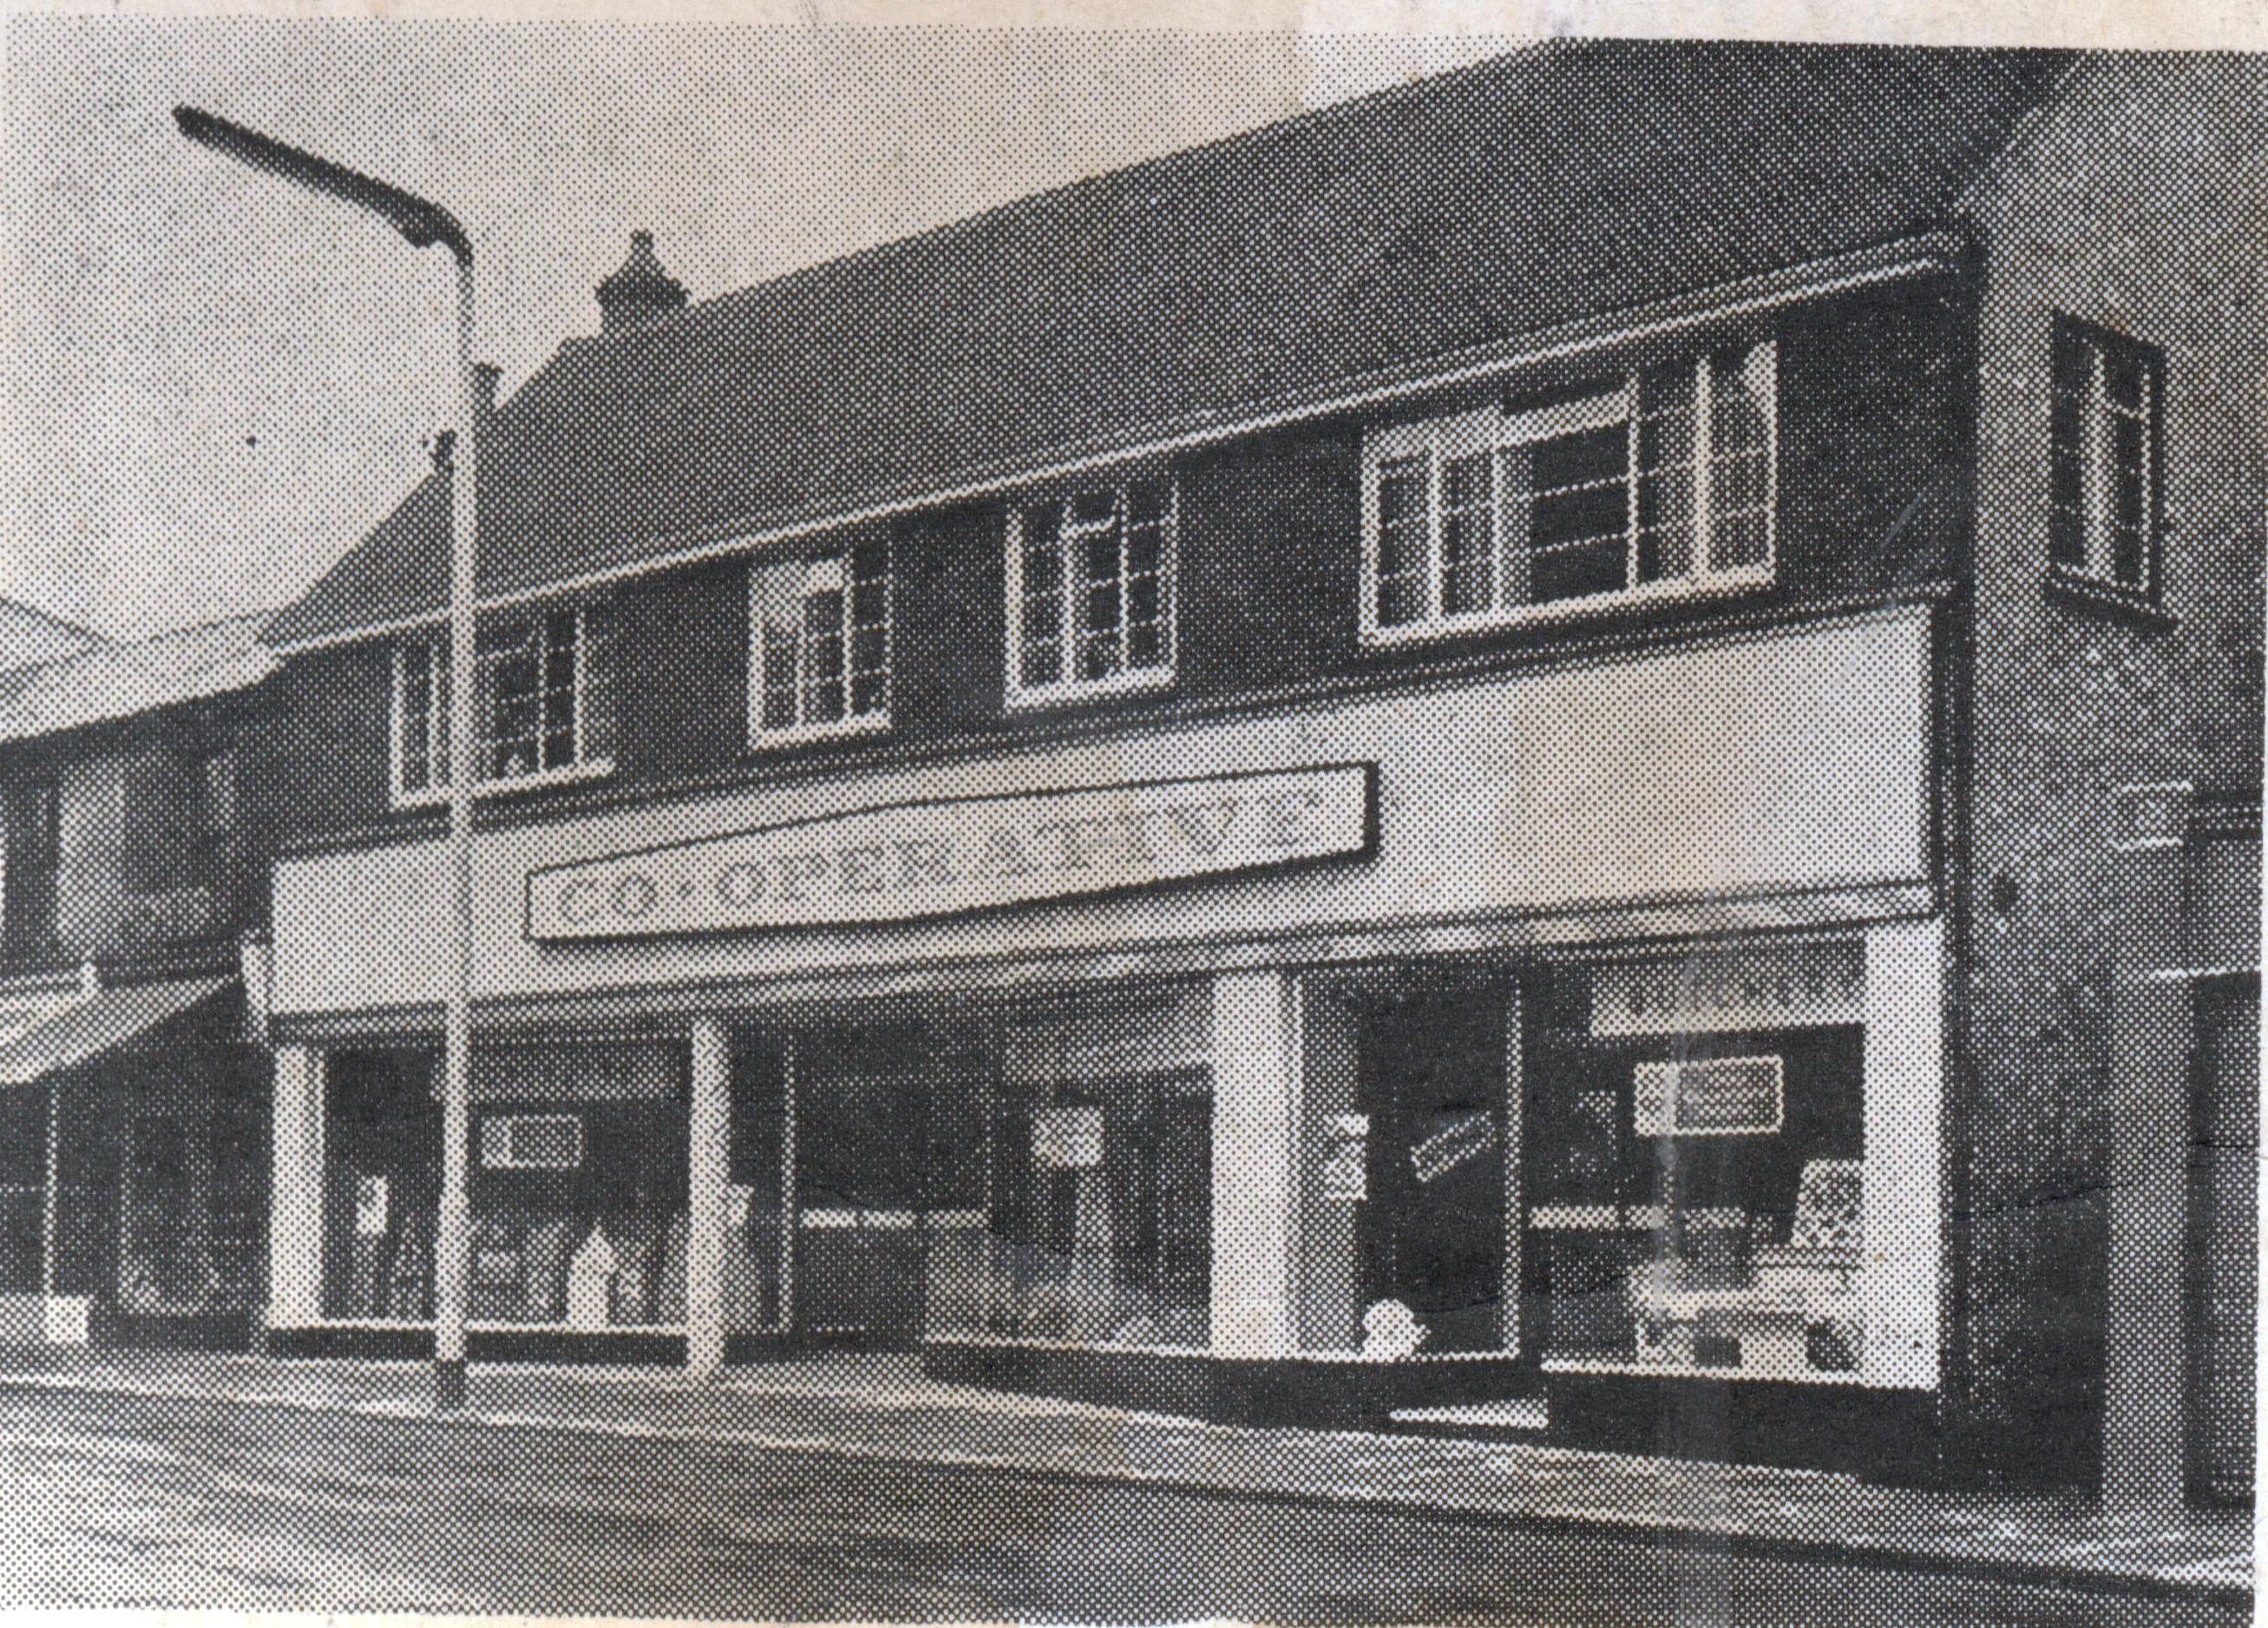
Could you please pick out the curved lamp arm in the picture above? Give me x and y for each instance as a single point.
(423, 222)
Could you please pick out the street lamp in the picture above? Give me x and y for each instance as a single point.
(424, 223)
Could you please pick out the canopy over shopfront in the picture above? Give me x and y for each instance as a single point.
(88, 1178)
(86, 1026)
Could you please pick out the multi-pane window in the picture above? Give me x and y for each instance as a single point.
(2104, 457)
(1091, 590)
(1662, 481)
(819, 642)
(543, 706)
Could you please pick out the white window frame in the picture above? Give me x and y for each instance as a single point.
(760, 737)
(437, 723)
(2098, 526)
(1070, 687)
(1493, 428)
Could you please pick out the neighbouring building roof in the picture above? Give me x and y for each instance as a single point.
(28, 634)
(1557, 183)
(118, 681)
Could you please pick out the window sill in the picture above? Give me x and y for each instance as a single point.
(761, 741)
(1148, 680)
(1589, 608)
(2129, 605)
(438, 797)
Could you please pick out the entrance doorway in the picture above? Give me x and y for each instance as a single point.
(888, 1149)
(1432, 1071)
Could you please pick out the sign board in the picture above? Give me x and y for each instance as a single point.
(1720, 1096)
(1067, 1138)
(599, 1071)
(937, 858)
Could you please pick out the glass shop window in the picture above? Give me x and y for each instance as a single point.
(579, 1213)
(1101, 1223)
(1697, 1176)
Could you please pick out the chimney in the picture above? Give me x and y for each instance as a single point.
(638, 290)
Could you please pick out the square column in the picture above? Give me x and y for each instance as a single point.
(708, 1174)
(295, 1216)
(1901, 1197)
(2145, 1355)
(1256, 1117)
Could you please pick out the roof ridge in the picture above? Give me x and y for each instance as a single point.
(1346, 107)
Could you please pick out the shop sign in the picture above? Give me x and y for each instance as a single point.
(1067, 1138)
(587, 1071)
(1720, 1096)
(935, 859)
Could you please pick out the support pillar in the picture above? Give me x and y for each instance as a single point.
(707, 1152)
(1257, 1113)
(2146, 1358)
(1902, 1203)
(295, 1220)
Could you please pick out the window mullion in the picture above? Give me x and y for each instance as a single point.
(849, 646)
(1066, 648)
(1435, 546)
(1633, 397)
(582, 676)
(1125, 512)
(1703, 450)
(2095, 464)
(439, 738)
(802, 653)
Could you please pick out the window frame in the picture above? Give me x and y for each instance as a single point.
(1495, 427)
(762, 739)
(1126, 680)
(2094, 412)
(436, 644)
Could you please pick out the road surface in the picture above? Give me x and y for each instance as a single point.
(164, 1503)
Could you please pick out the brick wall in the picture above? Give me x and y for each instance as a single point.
(2134, 201)
(1872, 476)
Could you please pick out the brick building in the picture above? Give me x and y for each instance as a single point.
(133, 1077)
(1466, 749)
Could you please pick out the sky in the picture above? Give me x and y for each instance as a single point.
(216, 384)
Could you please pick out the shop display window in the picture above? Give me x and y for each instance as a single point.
(1696, 1172)
(382, 1133)
(189, 1214)
(1089, 1217)
(1103, 1215)
(579, 1213)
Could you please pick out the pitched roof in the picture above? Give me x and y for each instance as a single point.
(28, 634)
(113, 681)
(1559, 182)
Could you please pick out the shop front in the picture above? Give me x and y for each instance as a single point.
(131, 1177)
(1545, 1036)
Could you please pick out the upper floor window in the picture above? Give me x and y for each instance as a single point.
(180, 817)
(2105, 441)
(543, 708)
(1091, 591)
(818, 643)
(1664, 483)
(31, 859)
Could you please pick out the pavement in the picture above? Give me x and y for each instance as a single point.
(881, 1410)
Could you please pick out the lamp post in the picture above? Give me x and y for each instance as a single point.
(425, 225)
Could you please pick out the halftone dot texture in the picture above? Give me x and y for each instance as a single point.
(1558, 185)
